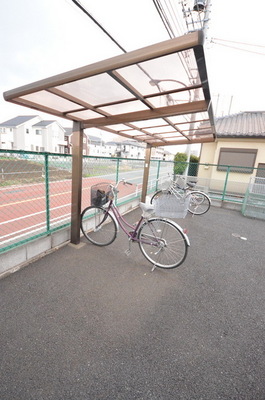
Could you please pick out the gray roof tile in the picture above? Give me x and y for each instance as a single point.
(44, 123)
(241, 125)
(18, 120)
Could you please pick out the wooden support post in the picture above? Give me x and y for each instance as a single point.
(146, 171)
(77, 156)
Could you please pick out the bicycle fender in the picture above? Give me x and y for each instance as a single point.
(182, 230)
(115, 220)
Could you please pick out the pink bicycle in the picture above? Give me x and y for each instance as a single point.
(163, 242)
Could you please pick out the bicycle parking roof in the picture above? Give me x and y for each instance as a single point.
(147, 95)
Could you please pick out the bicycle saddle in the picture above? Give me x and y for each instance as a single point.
(147, 209)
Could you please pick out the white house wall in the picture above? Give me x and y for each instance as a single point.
(22, 139)
(7, 139)
(55, 135)
(51, 137)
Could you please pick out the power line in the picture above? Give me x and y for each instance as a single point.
(175, 19)
(164, 18)
(78, 4)
(238, 48)
(166, 22)
(232, 41)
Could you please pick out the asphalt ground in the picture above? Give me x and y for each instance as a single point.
(93, 323)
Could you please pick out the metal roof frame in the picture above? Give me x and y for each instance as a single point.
(145, 95)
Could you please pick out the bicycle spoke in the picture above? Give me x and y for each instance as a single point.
(199, 203)
(98, 226)
(162, 243)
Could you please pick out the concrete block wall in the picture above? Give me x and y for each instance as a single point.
(15, 259)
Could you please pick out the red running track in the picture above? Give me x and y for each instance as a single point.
(23, 208)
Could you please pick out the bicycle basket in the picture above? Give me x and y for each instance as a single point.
(170, 206)
(165, 185)
(100, 194)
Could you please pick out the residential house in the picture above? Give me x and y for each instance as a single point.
(130, 149)
(49, 136)
(134, 149)
(159, 153)
(240, 142)
(17, 133)
(30, 132)
(97, 147)
(92, 145)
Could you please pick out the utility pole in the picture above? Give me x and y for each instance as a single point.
(200, 7)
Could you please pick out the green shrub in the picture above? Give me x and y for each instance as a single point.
(180, 163)
(193, 166)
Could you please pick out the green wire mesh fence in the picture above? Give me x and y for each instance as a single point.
(35, 188)
(35, 191)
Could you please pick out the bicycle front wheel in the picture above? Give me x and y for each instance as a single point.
(159, 194)
(98, 226)
(199, 203)
(163, 243)
(155, 196)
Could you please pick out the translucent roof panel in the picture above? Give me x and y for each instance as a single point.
(93, 91)
(158, 95)
(164, 73)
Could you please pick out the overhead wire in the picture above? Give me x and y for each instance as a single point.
(162, 15)
(164, 18)
(238, 48)
(79, 5)
(161, 11)
(233, 41)
(175, 19)
(165, 22)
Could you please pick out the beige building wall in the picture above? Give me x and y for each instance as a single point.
(237, 182)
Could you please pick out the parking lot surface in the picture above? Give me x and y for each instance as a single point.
(93, 323)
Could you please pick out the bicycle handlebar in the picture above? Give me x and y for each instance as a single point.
(126, 182)
(114, 188)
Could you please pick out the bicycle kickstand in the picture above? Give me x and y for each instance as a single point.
(128, 251)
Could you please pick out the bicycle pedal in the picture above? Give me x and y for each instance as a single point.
(127, 252)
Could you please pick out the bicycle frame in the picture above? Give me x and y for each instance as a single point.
(177, 191)
(181, 192)
(122, 223)
(132, 235)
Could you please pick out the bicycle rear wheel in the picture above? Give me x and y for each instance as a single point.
(98, 226)
(199, 203)
(163, 243)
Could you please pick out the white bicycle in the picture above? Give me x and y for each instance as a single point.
(199, 201)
